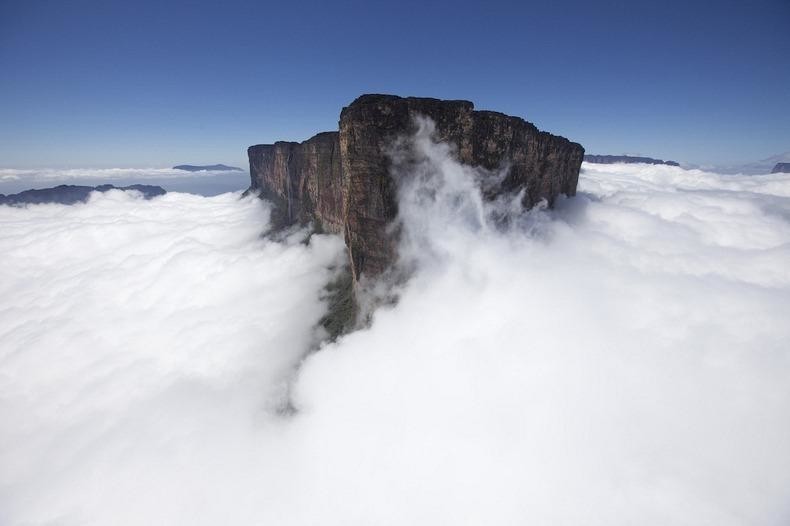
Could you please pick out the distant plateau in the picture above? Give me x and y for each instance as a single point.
(207, 168)
(68, 194)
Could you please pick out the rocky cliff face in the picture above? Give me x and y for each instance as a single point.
(342, 181)
(543, 164)
(781, 168)
(303, 180)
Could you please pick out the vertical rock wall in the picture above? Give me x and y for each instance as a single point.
(341, 181)
(303, 180)
(542, 164)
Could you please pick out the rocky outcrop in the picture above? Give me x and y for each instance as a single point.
(614, 159)
(542, 164)
(341, 181)
(781, 168)
(303, 180)
(67, 194)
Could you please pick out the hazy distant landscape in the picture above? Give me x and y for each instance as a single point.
(204, 183)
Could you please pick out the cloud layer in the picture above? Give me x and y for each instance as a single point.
(65, 175)
(141, 342)
(620, 359)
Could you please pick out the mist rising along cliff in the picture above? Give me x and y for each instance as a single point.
(342, 182)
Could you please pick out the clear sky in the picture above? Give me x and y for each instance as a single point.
(152, 83)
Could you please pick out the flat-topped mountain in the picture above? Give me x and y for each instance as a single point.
(207, 168)
(781, 168)
(341, 182)
(613, 159)
(67, 194)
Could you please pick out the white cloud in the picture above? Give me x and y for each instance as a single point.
(621, 359)
(625, 362)
(141, 341)
(100, 174)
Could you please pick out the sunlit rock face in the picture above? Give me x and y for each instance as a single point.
(303, 180)
(343, 181)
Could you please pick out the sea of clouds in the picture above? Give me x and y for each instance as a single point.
(204, 182)
(620, 359)
(100, 174)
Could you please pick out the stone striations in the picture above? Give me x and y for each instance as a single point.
(341, 180)
(303, 180)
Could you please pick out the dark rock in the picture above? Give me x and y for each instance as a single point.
(613, 159)
(342, 181)
(207, 168)
(544, 165)
(70, 194)
(341, 308)
(781, 168)
(303, 180)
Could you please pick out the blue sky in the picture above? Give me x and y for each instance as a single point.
(155, 83)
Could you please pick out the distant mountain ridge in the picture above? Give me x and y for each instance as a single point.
(763, 166)
(67, 194)
(612, 159)
(207, 168)
(781, 168)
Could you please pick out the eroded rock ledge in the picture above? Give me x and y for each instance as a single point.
(341, 181)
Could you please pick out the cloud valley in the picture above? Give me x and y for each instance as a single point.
(619, 359)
